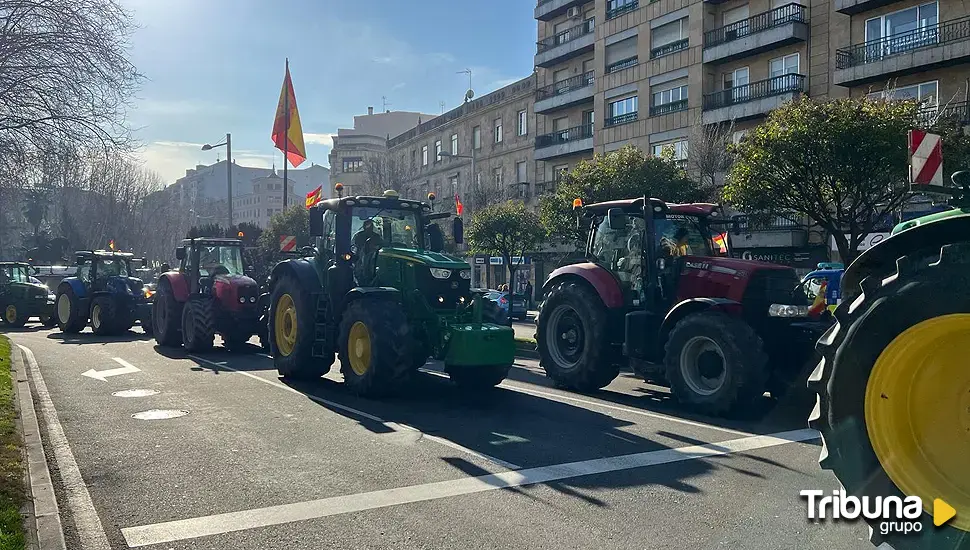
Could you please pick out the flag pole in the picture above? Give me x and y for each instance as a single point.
(286, 128)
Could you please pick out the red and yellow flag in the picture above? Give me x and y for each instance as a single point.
(459, 207)
(111, 244)
(287, 130)
(313, 197)
(720, 241)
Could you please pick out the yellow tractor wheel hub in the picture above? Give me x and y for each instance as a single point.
(917, 411)
(285, 325)
(11, 314)
(359, 348)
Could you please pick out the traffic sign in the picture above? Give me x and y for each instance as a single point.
(287, 243)
(925, 158)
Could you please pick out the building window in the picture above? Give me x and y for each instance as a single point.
(454, 144)
(523, 127)
(669, 38)
(925, 93)
(497, 175)
(477, 137)
(414, 158)
(520, 176)
(736, 137)
(671, 100)
(424, 155)
(904, 21)
(498, 130)
(674, 150)
(559, 172)
(778, 68)
(621, 55)
(353, 164)
(437, 151)
(622, 110)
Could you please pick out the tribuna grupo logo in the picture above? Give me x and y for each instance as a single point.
(894, 514)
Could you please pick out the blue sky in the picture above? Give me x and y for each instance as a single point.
(216, 66)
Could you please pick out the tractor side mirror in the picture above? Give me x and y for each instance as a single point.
(458, 230)
(165, 268)
(316, 224)
(436, 240)
(616, 219)
(180, 253)
(961, 178)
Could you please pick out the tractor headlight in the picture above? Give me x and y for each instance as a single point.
(465, 274)
(242, 299)
(438, 273)
(252, 300)
(785, 310)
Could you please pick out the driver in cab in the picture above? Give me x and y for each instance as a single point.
(677, 246)
(367, 239)
(210, 262)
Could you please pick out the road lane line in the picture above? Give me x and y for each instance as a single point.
(172, 531)
(90, 532)
(391, 425)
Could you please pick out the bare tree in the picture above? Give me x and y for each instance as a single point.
(384, 171)
(708, 154)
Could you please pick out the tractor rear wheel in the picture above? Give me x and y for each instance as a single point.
(478, 378)
(14, 316)
(48, 319)
(893, 390)
(715, 362)
(292, 316)
(167, 317)
(198, 326)
(572, 334)
(104, 320)
(374, 357)
(70, 318)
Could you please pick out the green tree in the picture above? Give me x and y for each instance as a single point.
(506, 229)
(622, 174)
(295, 221)
(843, 163)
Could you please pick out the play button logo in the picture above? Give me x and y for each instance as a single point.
(942, 512)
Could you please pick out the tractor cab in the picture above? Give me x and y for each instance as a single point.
(206, 261)
(104, 270)
(105, 290)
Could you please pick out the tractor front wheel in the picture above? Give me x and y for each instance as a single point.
(14, 316)
(478, 378)
(572, 334)
(715, 362)
(198, 326)
(292, 317)
(374, 356)
(67, 305)
(166, 317)
(104, 320)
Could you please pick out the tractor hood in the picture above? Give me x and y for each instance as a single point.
(236, 280)
(32, 289)
(425, 257)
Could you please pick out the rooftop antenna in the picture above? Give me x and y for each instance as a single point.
(441, 104)
(469, 94)
(385, 102)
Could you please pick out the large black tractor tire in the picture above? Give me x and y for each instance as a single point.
(892, 391)
(292, 316)
(147, 326)
(572, 336)
(67, 308)
(14, 316)
(104, 316)
(49, 320)
(715, 363)
(198, 326)
(373, 347)
(167, 317)
(478, 378)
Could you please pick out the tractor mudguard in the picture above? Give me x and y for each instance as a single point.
(77, 285)
(694, 305)
(180, 287)
(381, 292)
(302, 270)
(602, 281)
(882, 257)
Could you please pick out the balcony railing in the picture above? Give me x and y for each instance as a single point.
(958, 112)
(669, 48)
(565, 86)
(782, 15)
(565, 36)
(622, 64)
(667, 108)
(565, 136)
(620, 119)
(764, 223)
(616, 8)
(784, 84)
(926, 37)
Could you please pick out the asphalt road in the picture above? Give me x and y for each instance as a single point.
(257, 463)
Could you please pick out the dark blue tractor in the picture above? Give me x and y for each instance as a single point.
(105, 291)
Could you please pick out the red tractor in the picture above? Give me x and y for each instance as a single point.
(208, 295)
(657, 294)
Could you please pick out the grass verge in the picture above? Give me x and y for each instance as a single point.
(11, 458)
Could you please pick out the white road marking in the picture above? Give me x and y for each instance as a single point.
(102, 375)
(85, 516)
(621, 438)
(172, 531)
(392, 425)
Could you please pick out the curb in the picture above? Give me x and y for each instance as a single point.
(47, 533)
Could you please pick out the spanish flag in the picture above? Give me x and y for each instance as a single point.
(313, 197)
(287, 130)
(459, 207)
(720, 241)
(111, 244)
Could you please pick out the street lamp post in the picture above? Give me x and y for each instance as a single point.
(228, 144)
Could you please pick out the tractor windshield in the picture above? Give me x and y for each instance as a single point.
(109, 267)
(215, 259)
(389, 227)
(682, 236)
(13, 274)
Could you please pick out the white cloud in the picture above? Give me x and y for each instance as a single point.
(398, 86)
(175, 107)
(318, 139)
(178, 144)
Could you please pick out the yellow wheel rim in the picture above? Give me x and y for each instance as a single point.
(96, 316)
(358, 348)
(285, 325)
(918, 412)
(11, 314)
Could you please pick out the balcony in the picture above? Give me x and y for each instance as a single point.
(940, 45)
(622, 64)
(565, 45)
(616, 8)
(620, 119)
(564, 142)
(669, 48)
(752, 100)
(566, 93)
(759, 33)
(852, 7)
(957, 113)
(546, 10)
(667, 108)
(759, 231)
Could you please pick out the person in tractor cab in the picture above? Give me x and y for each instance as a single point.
(678, 245)
(211, 262)
(366, 243)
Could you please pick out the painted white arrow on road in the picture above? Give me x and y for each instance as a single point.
(102, 375)
(506, 439)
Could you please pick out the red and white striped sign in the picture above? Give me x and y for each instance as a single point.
(287, 243)
(925, 158)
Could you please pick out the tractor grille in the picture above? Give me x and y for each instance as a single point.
(449, 290)
(771, 286)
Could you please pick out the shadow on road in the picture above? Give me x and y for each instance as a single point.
(88, 337)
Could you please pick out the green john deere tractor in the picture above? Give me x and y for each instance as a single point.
(894, 383)
(21, 299)
(377, 291)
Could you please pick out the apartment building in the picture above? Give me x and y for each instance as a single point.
(264, 200)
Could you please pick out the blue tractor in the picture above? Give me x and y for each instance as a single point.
(105, 291)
